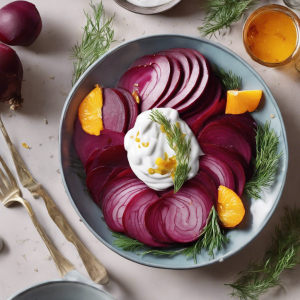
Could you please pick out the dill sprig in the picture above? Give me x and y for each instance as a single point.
(284, 253)
(78, 168)
(178, 143)
(230, 81)
(126, 243)
(222, 13)
(265, 163)
(211, 238)
(96, 40)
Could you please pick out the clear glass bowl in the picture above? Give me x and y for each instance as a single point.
(276, 8)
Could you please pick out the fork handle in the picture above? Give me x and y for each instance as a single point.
(62, 264)
(95, 269)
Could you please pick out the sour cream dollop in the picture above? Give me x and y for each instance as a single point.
(146, 142)
(148, 3)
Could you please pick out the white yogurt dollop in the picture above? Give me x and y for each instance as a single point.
(148, 3)
(145, 142)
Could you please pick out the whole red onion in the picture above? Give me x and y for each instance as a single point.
(20, 23)
(11, 77)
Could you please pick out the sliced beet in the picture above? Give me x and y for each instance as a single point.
(184, 63)
(232, 160)
(96, 179)
(88, 146)
(184, 214)
(243, 127)
(115, 111)
(214, 108)
(176, 76)
(134, 218)
(116, 171)
(217, 170)
(154, 223)
(202, 92)
(196, 74)
(163, 68)
(132, 106)
(113, 157)
(245, 118)
(207, 183)
(140, 79)
(226, 135)
(115, 199)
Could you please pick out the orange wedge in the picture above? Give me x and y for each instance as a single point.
(230, 207)
(89, 112)
(238, 102)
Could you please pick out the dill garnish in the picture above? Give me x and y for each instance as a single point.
(126, 243)
(230, 81)
(178, 143)
(222, 13)
(284, 253)
(265, 163)
(96, 40)
(78, 168)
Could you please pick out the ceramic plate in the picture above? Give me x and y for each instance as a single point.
(147, 10)
(106, 71)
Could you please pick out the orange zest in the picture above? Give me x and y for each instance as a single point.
(136, 97)
(90, 114)
(239, 102)
(230, 207)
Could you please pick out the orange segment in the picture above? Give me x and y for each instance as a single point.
(89, 112)
(230, 207)
(238, 102)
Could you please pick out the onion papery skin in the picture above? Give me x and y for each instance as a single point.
(11, 77)
(20, 23)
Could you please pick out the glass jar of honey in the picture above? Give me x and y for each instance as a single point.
(271, 35)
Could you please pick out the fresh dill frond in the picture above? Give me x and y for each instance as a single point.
(78, 168)
(213, 236)
(96, 40)
(265, 163)
(179, 144)
(222, 13)
(126, 243)
(284, 253)
(230, 81)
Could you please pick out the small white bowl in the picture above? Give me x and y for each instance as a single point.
(147, 10)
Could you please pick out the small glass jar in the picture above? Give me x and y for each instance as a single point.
(273, 8)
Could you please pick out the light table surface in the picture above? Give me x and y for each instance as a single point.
(47, 81)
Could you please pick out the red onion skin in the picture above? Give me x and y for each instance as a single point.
(11, 77)
(20, 23)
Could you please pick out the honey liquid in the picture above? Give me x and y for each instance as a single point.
(272, 36)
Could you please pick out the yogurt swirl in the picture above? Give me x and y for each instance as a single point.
(146, 142)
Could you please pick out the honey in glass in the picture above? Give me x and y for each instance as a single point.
(271, 35)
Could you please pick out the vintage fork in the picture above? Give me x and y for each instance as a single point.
(95, 269)
(11, 193)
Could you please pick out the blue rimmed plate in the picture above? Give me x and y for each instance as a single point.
(106, 71)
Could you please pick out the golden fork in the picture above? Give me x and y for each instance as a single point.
(93, 266)
(11, 193)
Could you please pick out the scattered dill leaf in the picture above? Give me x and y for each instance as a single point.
(177, 142)
(284, 253)
(265, 163)
(229, 80)
(96, 40)
(222, 13)
(126, 243)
